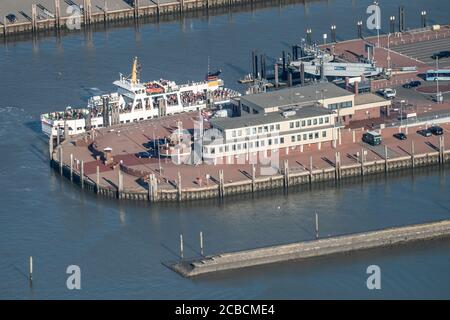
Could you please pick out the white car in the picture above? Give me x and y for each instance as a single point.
(389, 93)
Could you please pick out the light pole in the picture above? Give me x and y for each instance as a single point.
(423, 16)
(333, 33)
(392, 21)
(360, 23)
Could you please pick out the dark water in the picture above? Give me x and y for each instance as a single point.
(120, 246)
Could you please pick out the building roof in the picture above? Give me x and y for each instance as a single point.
(274, 117)
(296, 95)
(367, 98)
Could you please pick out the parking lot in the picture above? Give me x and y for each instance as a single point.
(423, 51)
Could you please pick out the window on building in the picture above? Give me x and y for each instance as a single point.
(310, 136)
(259, 129)
(303, 123)
(226, 149)
(257, 144)
(262, 143)
(315, 121)
(305, 136)
(240, 133)
(213, 150)
(292, 138)
(291, 125)
(278, 127)
(233, 133)
(275, 141)
(327, 119)
(297, 124)
(324, 134)
(299, 137)
(272, 127)
(316, 135)
(239, 146)
(247, 131)
(282, 140)
(234, 147)
(309, 122)
(266, 129)
(320, 120)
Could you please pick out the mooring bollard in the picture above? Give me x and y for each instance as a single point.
(386, 164)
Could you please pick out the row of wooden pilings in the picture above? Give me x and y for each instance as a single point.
(285, 177)
(87, 17)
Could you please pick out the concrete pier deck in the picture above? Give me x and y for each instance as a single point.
(310, 249)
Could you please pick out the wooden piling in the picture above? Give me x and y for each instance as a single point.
(201, 244)
(61, 160)
(82, 174)
(50, 147)
(57, 15)
(386, 164)
(253, 177)
(310, 169)
(71, 167)
(30, 270)
(97, 180)
(317, 226)
(180, 192)
(286, 174)
(362, 162)
(413, 158)
(181, 247)
(33, 18)
(120, 184)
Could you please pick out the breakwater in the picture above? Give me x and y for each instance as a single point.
(310, 249)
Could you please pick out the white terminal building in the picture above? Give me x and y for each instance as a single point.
(288, 119)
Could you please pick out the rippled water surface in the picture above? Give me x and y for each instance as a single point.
(120, 246)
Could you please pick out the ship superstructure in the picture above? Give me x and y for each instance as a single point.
(135, 101)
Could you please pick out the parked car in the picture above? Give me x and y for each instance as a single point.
(425, 132)
(389, 93)
(373, 138)
(400, 136)
(143, 154)
(412, 84)
(436, 130)
(441, 55)
(11, 18)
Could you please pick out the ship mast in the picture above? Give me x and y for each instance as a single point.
(134, 71)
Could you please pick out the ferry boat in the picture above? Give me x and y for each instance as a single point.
(135, 101)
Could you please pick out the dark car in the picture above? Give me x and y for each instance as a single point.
(11, 18)
(425, 132)
(436, 130)
(400, 136)
(441, 55)
(412, 84)
(143, 154)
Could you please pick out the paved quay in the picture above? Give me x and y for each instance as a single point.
(127, 140)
